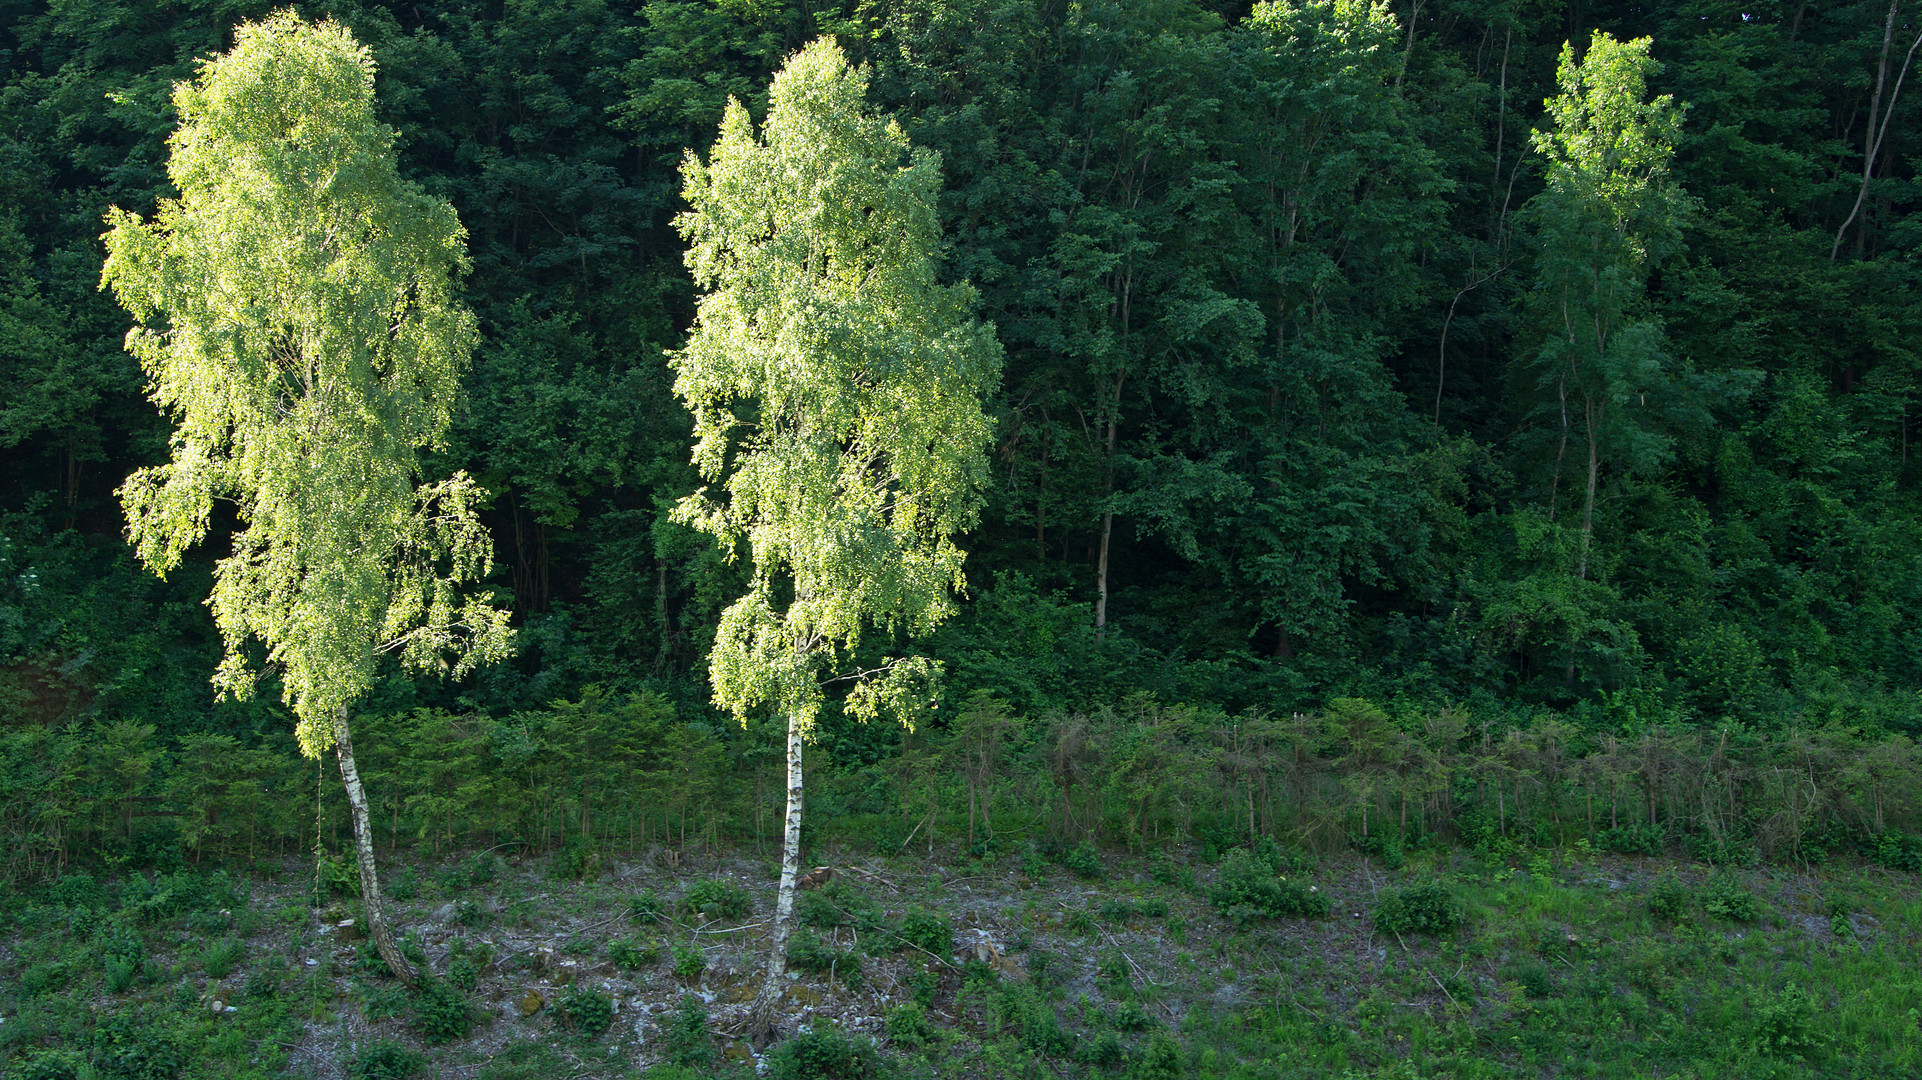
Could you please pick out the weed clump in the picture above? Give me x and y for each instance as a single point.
(824, 1053)
(633, 953)
(1426, 908)
(385, 1060)
(1248, 887)
(1726, 898)
(441, 1011)
(588, 1012)
(807, 952)
(684, 1035)
(1671, 900)
(929, 931)
(717, 900)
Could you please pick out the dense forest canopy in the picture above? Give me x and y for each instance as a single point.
(1539, 360)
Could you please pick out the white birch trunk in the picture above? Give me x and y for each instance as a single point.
(761, 1019)
(364, 855)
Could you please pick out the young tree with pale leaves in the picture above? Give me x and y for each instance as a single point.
(836, 386)
(296, 316)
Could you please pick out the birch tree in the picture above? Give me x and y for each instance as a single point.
(836, 387)
(296, 316)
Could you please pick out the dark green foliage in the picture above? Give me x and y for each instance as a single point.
(644, 907)
(441, 1011)
(386, 1060)
(1727, 898)
(588, 1013)
(130, 1046)
(928, 930)
(1788, 1024)
(1082, 860)
(716, 899)
(824, 1052)
(807, 952)
(684, 1036)
(1425, 908)
(1247, 887)
(1103, 1051)
(1160, 1059)
(219, 958)
(908, 1025)
(1116, 909)
(1670, 899)
(633, 953)
(689, 962)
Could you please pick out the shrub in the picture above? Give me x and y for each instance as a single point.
(1726, 898)
(1129, 1016)
(928, 930)
(462, 973)
(1115, 909)
(1247, 888)
(406, 886)
(218, 959)
(588, 1012)
(472, 915)
(579, 860)
(684, 1036)
(1786, 1025)
(1103, 1051)
(1426, 908)
(644, 907)
(1082, 860)
(385, 1060)
(689, 962)
(717, 900)
(1385, 847)
(824, 1053)
(1154, 908)
(1160, 1059)
(131, 1046)
(1670, 900)
(440, 1010)
(633, 953)
(1641, 839)
(809, 953)
(908, 1024)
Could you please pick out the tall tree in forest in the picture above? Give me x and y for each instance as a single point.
(297, 317)
(836, 387)
(1603, 220)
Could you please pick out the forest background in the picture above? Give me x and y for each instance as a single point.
(1288, 530)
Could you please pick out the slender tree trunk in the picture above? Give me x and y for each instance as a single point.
(1107, 519)
(364, 855)
(1872, 138)
(761, 1019)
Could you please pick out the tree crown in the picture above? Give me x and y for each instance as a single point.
(296, 315)
(835, 384)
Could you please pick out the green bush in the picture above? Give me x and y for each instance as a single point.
(1154, 908)
(809, 953)
(405, 886)
(579, 860)
(1104, 1051)
(689, 962)
(52, 1065)
(717, 900)
(908, 1024)
(644, 907)
(441, 1011)
(1160, 1059)
(386, 1060)
(684, 1036)
(928, 930)
(1670, 900)
(1082, 860)
(1726, 898)
(1426, 908)
(633, 953)
(1115, 909)
(588, 1012)
(824, 1053)
(1247, 888)
(218, 960)
(1787, 1025)
(135, 1046)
